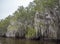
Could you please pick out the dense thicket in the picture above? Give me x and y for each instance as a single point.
(22, 22)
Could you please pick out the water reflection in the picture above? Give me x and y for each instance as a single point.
(19, 41)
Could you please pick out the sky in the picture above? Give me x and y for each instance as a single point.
(7, 7)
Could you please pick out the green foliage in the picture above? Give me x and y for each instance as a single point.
(51, 3)
(39, 5)
(41, 24)
(26, 15)
(42, 4)
(30, 32)
(4, 24)
(12, 27)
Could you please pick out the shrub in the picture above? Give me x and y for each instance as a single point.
(30, 33)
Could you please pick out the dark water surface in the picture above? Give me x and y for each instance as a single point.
(19, 41)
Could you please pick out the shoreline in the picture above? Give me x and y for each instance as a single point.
(42, 39)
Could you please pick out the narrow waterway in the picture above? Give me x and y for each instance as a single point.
(19, 41)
